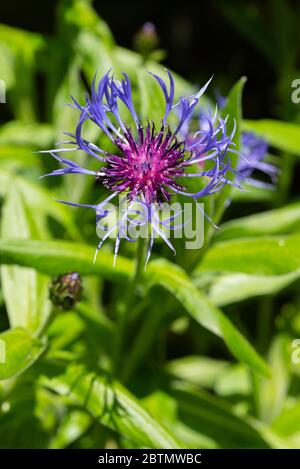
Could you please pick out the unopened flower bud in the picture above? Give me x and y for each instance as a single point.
(146, 40)
(65, 290)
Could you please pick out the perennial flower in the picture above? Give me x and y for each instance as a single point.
(150, 163)
(255, 149)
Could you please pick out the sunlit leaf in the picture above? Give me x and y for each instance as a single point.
(231, 288)
(202, 311)
(199, 370)
(74, 425)
(19, 59)
(57, 257)
(271, 393)
(34, 135)
(213, 417)
(256, 256)
(282, 135)
(278, 221)
(112, 405)
(233, 112)
(21, 351)
(40, 200)
(25, 290)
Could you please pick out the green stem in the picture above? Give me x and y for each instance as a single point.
(264, 324)
(255, 395)
(45, 326)
(286, 177)
(142, 342)
(139, 267)
(125, 307)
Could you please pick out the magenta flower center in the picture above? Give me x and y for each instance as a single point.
(147, 165)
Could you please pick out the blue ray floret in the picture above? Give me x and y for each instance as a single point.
(252, 156)
(254, 151)
(149, 163)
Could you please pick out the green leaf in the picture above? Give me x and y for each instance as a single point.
(74, 424)
(279, 221)
(38, 136)
(111, 405)
(250, 267)
(25, 291)
(66, 329)
(20, 60)
(40, 200)
(282, 135)
(13, 156)
(234, 380)
(257, 256)
(65, 118)
(203, 420)
(231, 288)
(7, 65)
(213, 417)
(98, 325)
(202, 371)
(216, 419)
(252, 194)
(21, 351)
(80, 15)
(271, 393)
(287, 422)
(205, 313)
(163, 406)
(23, 42)
(233, 110)
(89, 35)
(151, 102)
(56, 257)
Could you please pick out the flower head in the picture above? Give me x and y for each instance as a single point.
(146, 166)
(65, 290)
(149, 163)
(252, 156)
(254, 151)
(146, 40)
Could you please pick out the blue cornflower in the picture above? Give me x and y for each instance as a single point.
(254, 151)
(149, 163)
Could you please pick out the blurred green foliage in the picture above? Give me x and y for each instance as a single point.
(187, 373)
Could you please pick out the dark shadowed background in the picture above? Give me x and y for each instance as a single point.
(226, 38)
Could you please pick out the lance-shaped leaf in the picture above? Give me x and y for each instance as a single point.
(282, 135)
(54, 257)
(25, 290)
(205, 313)
(111, 405)
(18, 351)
